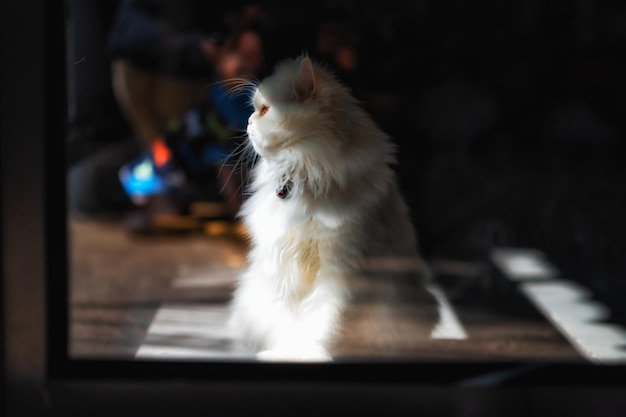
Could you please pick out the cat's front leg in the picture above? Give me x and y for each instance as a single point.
(296, 344)
(305, 334)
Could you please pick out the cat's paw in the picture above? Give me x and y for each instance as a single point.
(300, 355)
(270, 355)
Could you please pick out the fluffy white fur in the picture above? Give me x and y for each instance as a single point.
(344, 207)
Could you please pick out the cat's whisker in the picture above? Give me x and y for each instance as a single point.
(213, 84)
(243, 155)
(236, 86)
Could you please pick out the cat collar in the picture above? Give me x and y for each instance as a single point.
(284, 188)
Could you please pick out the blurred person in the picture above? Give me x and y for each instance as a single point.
(171, 66)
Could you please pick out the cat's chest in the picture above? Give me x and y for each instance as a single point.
(270, 216)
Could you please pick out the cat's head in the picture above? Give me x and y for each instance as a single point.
(300, 105)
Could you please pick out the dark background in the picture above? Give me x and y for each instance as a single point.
(509, 117)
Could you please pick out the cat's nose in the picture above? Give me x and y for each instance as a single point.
(250, 120)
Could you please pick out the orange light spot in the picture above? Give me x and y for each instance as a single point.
(160, 152)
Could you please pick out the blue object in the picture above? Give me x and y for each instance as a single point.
(141, 178)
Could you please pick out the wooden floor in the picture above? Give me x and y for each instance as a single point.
(165, 296)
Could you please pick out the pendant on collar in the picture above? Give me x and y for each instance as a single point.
(284, 188)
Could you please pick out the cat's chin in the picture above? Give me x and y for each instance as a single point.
(300, 355)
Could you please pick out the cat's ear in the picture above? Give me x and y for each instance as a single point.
(306, 84)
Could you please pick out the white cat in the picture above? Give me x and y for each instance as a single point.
(324, 202)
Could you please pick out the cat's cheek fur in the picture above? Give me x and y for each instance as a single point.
(255, 138)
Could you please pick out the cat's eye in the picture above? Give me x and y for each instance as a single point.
(263, 110)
